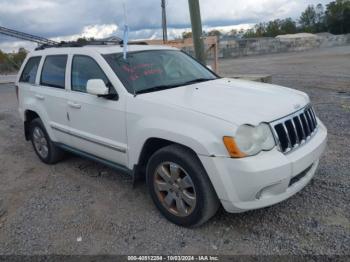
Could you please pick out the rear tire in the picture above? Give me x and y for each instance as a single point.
(45, 149)
(180, 187)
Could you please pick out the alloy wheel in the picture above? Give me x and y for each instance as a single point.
(175, 189)
(40, 142)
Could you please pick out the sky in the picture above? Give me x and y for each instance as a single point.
(69, 19)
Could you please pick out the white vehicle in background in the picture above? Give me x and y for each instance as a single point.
(200, 140)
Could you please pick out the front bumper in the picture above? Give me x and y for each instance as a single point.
(266, 179)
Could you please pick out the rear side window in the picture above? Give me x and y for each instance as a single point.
(54, 71)
(30, 70)
(85, 68)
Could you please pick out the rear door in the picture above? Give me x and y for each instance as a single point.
(27, 80)
(53, 95)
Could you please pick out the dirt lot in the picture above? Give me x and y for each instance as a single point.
(45, 209)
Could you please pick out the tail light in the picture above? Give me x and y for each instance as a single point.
(17, 93)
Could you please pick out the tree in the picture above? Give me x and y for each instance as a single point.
(273, 28)
(308, 19)
(19, 57)
(338, 17)
(186, 35)
(214, 32)
(84, 40)
(260, 30)
(3, 57)
(320, 19)
(288, 26)
(250, 33)
(233, 32)
(12, 62)
(5, 65)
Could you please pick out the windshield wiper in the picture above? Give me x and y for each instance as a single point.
(164, 87)
(155, 88)
(198, 80)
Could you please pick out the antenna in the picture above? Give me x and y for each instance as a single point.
(126, 33)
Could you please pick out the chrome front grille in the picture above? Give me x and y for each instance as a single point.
(294, 130)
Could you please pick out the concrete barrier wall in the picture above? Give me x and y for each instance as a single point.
(336, 40)
(267, 45)
(259, 46)
(4, 79)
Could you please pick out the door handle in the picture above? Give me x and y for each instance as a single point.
(40, 97)
(74, 105)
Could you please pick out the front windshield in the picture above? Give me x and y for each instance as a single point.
(155, 70)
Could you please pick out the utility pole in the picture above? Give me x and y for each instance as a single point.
(164, 22)
(197, 31)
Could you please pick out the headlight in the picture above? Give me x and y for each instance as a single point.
(250, 140)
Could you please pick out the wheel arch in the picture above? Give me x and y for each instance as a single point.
(150, 146)
(29, 116)
(185, 158)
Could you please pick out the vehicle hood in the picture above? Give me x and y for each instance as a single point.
(235, 101)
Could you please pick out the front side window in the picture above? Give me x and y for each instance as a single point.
(54, 71)
(30, 70)
(85, 68)
(155, 70)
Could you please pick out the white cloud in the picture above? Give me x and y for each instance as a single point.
(228, 28)
(26, 6)
(99, 31)
(95, 31)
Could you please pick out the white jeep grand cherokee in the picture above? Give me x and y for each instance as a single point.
(200, 140)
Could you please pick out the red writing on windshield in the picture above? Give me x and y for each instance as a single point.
(133, 69)
(137, 71)
(152, 72)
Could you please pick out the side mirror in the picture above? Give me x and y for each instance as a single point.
(97, 87)
(209, 67)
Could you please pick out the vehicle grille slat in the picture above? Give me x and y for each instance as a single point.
(313, 116)
(287, 136)
(300, 128)
(293, 136)
(305, 125)
(294, 130)
(309, 120)
(297, 137)
(282, 135)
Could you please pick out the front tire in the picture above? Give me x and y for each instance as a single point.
(180, 187)
(45, 149)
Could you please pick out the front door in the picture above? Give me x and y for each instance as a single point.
(97, 125)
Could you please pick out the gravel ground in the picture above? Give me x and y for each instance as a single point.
(80, 207)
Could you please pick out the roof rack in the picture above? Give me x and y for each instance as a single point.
(79, 44)
(115, 41)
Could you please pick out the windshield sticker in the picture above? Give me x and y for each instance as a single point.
(135, 72)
